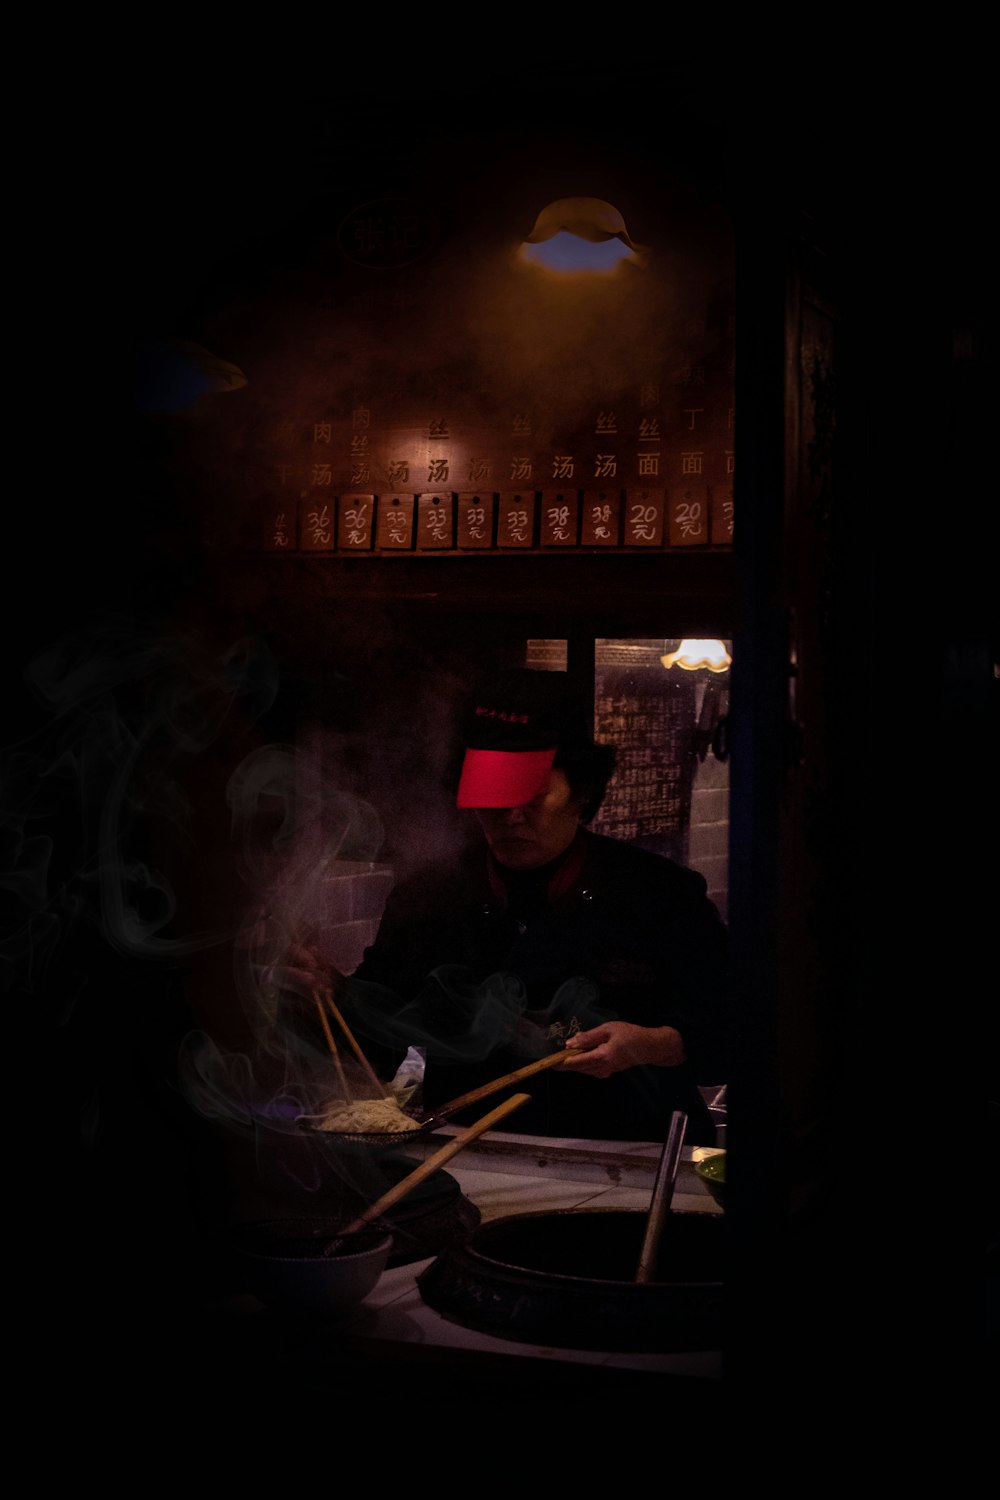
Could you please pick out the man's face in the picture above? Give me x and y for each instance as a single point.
(525, 837)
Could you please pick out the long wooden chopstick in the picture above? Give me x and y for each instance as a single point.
(551, 1060)
(334, 1051)
(355, 1048)
(427, 1168)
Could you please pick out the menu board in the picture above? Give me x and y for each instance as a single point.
(416, 359)
(654, 471)
(648, 712)
(567, 519)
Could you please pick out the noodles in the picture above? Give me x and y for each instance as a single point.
(370, 1116)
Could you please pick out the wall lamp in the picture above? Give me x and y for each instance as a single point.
(580, 236)
(693, 655)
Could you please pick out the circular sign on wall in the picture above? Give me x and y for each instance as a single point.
(384, 233)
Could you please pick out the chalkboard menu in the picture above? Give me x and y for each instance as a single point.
(648, 712)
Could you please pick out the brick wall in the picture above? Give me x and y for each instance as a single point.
(708, 835)
(352, 896)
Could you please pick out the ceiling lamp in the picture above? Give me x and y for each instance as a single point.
(173, 375)
(693, 655)
(579, 235)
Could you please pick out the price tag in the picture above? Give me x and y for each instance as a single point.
(721, 507)
(516, 520)
(560, 518)
(475, 520)
(688, 516)
(395, 523)
(279, 531)
(317, 526)
(644, 518)
(601, 518)
(435, 522)
(355, 514)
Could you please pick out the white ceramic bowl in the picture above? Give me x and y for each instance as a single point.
(284, 1277)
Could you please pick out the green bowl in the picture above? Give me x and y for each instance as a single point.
(712, 1171)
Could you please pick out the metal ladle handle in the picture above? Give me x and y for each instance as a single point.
(663, 1192)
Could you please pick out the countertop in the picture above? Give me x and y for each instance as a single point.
(503, 1175)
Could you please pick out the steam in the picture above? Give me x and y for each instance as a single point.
(104, 818)
(292, 832)
(226, 1089)
(150, 823)
(85, 796)
(454, 1017)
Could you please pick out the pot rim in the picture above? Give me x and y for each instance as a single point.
(558, 1278)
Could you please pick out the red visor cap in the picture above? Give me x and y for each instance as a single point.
(503, 778)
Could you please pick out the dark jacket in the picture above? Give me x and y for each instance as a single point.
(488, 970)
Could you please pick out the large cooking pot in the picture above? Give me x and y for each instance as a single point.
(566, 1278)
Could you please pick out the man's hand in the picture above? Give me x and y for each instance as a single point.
(301, 970)
(616, 1045)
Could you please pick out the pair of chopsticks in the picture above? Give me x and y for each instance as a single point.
(324, 1001)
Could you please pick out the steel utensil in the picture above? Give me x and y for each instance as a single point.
(663, 1192)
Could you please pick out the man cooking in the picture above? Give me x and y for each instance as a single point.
(548, 935)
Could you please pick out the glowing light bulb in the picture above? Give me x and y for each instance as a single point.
(693, 655)
(565, 252)
(580, 235)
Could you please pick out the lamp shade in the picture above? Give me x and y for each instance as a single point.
(694, 655)
(580, 235)
(588, 218)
